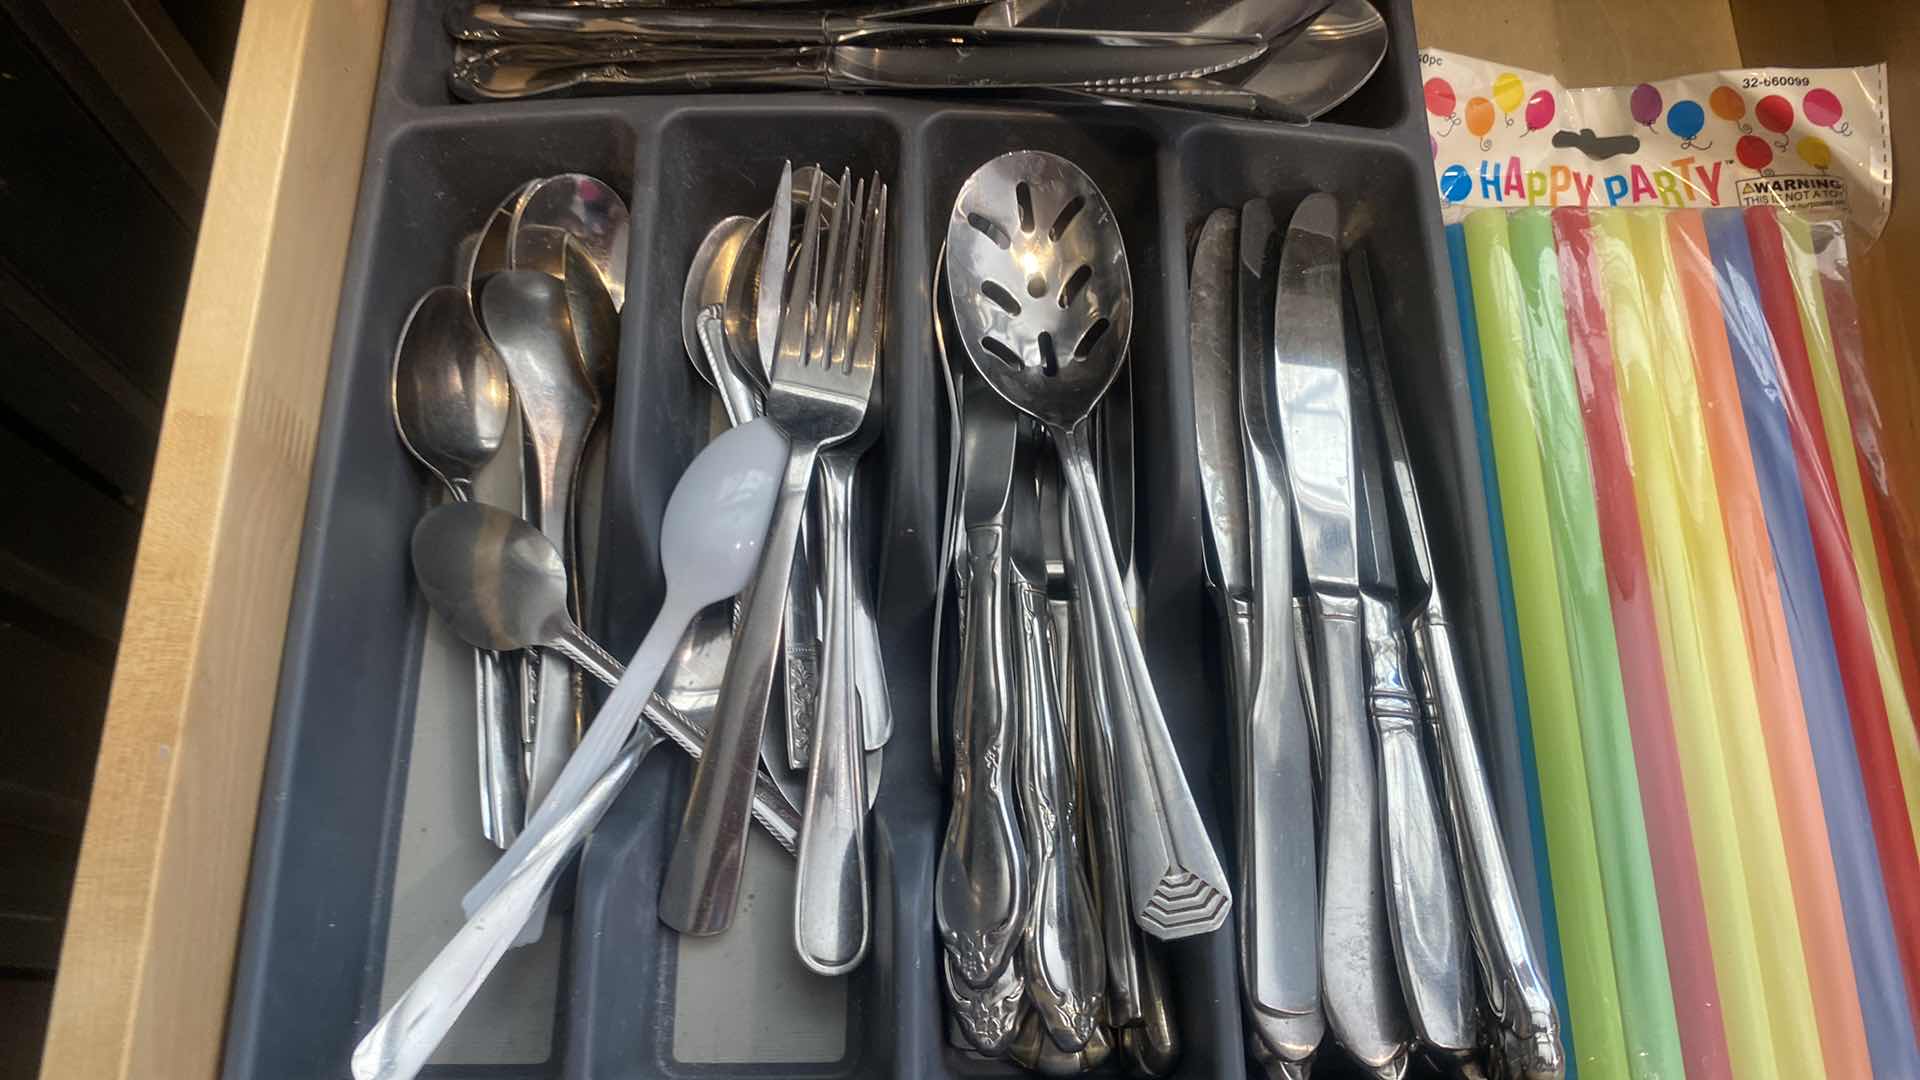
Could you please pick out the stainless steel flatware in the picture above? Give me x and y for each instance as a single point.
(452, 404)
(1249, 546)
(1264, 19)
(712, 270)
(493, 21)
(981, 885)
(988, 1017)
(485, 252)
(527, 315)
(1061, 949)
(499, 584)
(1032, 225)
(831, 919)
(398, 1046)
(1431, 943)
(1529, 1030)
(817, 397)
(1032, 1048)
(1360, 989)
(580, 206)
(506, 72)
(1305, 74)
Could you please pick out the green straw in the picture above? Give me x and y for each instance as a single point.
(1573, 853)
(1626, 867)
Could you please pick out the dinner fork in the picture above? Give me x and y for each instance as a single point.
(817, 396)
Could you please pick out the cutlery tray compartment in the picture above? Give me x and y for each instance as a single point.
(367, 835)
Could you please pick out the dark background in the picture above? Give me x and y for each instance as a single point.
(108, 114)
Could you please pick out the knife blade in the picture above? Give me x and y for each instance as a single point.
(1360, 990)
(1423, 889)
(1278, 862)
(1513, 976)
(981, 888)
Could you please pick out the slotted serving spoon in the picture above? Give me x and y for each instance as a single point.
(1043, 302)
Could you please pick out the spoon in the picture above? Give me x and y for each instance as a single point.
(708, 278)
(1042, 295)
(485, 252)
(451, 405)
(709, 546)
(1300, 78)
(582, 206)
(527, 315)
(595, 319)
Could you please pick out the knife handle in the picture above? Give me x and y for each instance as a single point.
(1065, 966)
(981, 887)
(1423, 893)
(1178, 888)
(1516, 983)
(1360, 990)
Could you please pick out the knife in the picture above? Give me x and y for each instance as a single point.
(981, 884)
(1423, 890)
(1359, 988)
(1280, 861)
(1273, 761)
(1515, 981)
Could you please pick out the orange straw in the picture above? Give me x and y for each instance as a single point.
(1796, 786)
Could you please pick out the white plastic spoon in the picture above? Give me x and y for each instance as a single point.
(709, 547)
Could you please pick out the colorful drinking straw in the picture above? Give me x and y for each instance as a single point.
(1552, 418)
(1796, 788)
(1592, 985)
(1863, 892)
(1683, 914)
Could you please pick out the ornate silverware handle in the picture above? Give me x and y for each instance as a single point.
(1178, 888)
(981, 890)
(1359, 989)
(1516, 983)
(1423, 895)
(1065, 966)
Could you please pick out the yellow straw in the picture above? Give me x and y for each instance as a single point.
(1743, 876)
(1798, 240)
(1599, 1039)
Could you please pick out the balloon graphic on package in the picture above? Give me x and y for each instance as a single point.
(1685, 120)
(1728, 105)
(1539, 111)
(1440, 102)
(1645, 104)
(1814, 151)
(1508, 92)
(1480, 120)
(1456, 184)
(1775, 113)
(1753, 152)
(1821, 107)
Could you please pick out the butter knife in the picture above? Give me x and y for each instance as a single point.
(1359, 987)
(1430, 937)
(1515, 980)
(1250, 568)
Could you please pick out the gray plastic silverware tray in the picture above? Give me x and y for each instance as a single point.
(308, 981)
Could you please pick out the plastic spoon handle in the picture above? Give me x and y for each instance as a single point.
(399, 1045)
(611, 727)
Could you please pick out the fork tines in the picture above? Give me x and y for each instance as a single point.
(831, 327)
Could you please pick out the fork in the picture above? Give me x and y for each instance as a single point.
(817, 396)
(830, 917)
